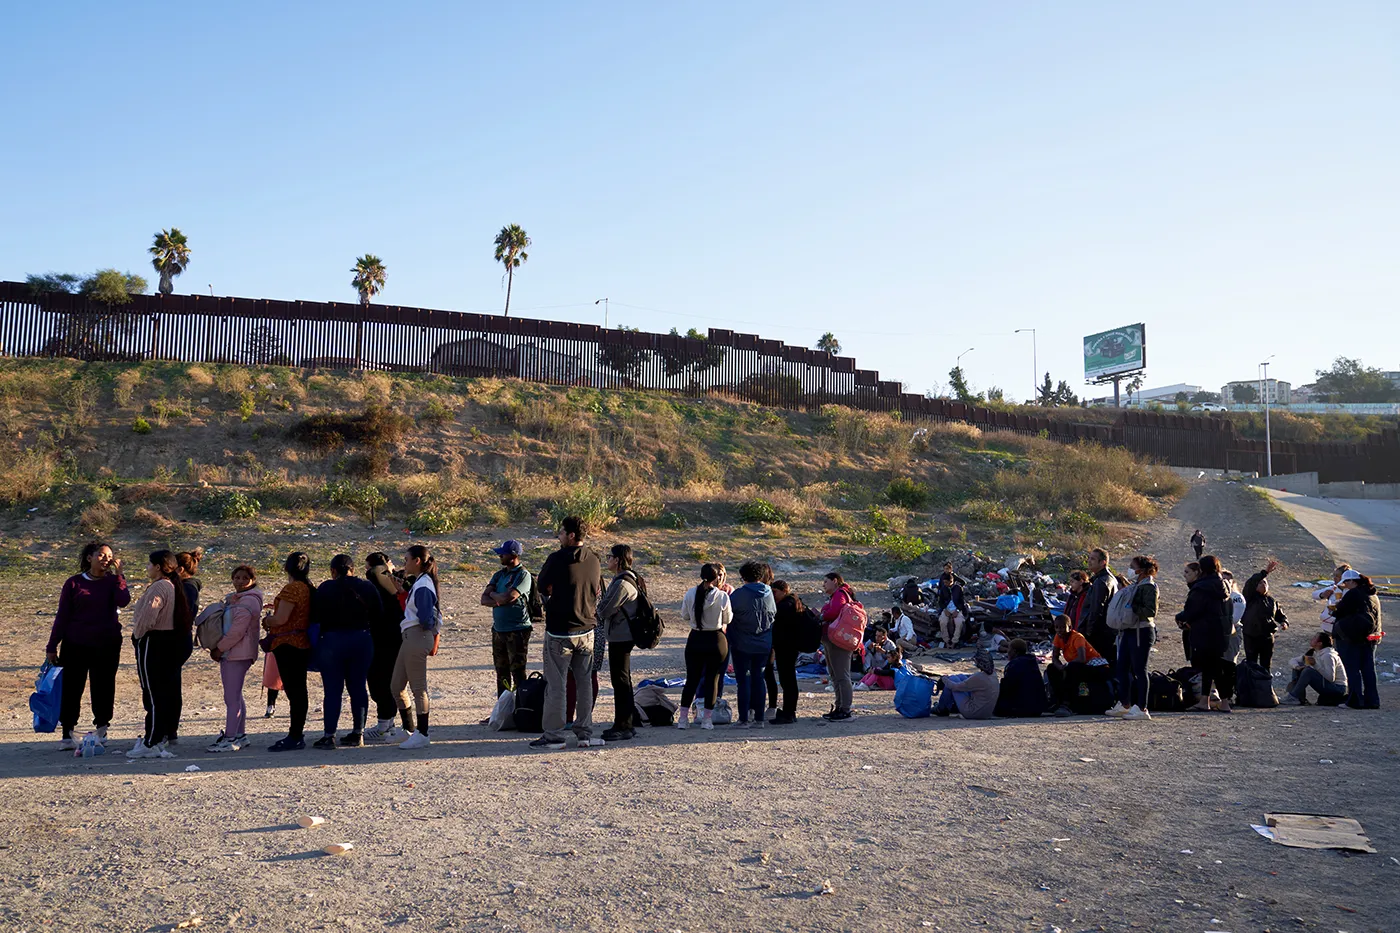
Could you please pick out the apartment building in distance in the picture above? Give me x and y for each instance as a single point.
(1274, 391)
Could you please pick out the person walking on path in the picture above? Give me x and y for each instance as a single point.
(1262, 618)
(346, 608)
(508, 595)
(289, 640)
(1205, 620)
(160, 625)
(236, 652)
(570, 582)
(1358, 633)
(615, 612)
(838, 660)
(86, 639)
(751, 641)
(1093, 620)
(706, 608)
(421, 628)
(387, 635)
(787, 634)
(1198, 543)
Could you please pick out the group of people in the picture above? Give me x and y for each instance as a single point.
(366, 637)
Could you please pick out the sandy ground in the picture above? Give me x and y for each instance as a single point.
(926, 824)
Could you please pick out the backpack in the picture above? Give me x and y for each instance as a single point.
(653, 706)
(1190, 680)
(809, 631)
(529, 704)
(646, 623)
(1119, 614)
(1254, 686)
(1164, 695)
(848, 631)
(47, 699)
(534, 603)
(209, 627)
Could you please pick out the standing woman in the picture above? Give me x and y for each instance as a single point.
(615, 612)
(236, 652)
(706, 607)
(160, 629)
(86, 638)
(387, 636)
(838, 660)
(421, 627)
(187, 569)
(1203, 621)
(751, 640)
(787, 635)
(1135, 643)
(1358, 632)
(346, 609)
(289, 640)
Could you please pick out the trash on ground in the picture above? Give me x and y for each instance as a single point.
(1310, 831)
(338, 848)
(192, 767)
(306, 822)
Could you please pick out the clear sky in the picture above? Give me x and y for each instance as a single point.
(919, 178)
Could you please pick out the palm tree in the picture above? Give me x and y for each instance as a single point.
(370, 274)
(510, 252)
(830, 344)
(170, 254)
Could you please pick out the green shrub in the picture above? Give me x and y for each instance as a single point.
(760, 511)
(906, 492)
(437, 519)
(141, 425)
(436, 414)
(903, 548)
(988, 512)
(1080, 523)
(588, 502)
(364, 498)
(227, 506)
(245, 406)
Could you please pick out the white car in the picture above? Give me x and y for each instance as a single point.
(1210, 406)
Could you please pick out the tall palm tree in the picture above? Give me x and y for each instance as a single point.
(829, 343)
(370, 273)
(170, 254)
(510, 252)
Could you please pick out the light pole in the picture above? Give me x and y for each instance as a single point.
(1268, 438)
(1035, 364)
(963, 354)
(604, 303)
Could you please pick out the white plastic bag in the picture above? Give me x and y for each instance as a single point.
(503, 713)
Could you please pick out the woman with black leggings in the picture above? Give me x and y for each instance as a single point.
(706, 609)
(1206, 620)
(289, 630)
(787, 632)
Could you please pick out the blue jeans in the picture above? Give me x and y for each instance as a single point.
(750, 687)
(1134, 648)
(947, 704)
(345, 658)
(1329, 693)
(1359, 660)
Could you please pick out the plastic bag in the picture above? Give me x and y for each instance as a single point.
(1010, 602)
(503, 713)
(913, 695)
(723, 715)
(47, 697)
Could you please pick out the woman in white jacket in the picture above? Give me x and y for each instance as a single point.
(236, 652)
(1323, 671)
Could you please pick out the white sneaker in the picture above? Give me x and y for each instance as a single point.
(393, 735)
(1136, 714)
(224, 744)
(1118, 709)
(416, 740)
(142, 750)
(592, 743)
(66, 744)
(684, 721)
(376, 732)
(708, 721)
(271, 708)
(861, 686)
(163, 751)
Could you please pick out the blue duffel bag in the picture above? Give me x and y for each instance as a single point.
(913, 694)
(47, 698)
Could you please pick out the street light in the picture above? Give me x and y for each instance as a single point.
(1264, 393)
(604, 303)
(963, 354)
(1035, 365)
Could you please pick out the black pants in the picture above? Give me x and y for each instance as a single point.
(1105, 642)
(381, 671)
(704, 666)
(1213, 673)
(186, 642)
(1259, 649)
(97, 664)
(785, 660)
(1200, 549)
(1064, 681)
(291, 664)
(770, 677)
(620, 669)
(159, 656)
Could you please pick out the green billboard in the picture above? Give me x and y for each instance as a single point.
(1121, 350)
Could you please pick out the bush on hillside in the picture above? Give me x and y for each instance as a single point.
(759, 511)
(98, 520)
(227, 506)
(908, 493)
(588, 502)
(435, 518)
(364, 498)
(903, 548)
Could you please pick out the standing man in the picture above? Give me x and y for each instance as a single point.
(1093, 619)
(570, 582)
(508, 596)
(1198, 541)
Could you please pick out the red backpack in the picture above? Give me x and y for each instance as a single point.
(848, 631)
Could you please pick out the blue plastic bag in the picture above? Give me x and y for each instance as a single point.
(1010, 602)
(913, 695)
(47, 697)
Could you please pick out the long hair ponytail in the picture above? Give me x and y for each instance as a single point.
(421, 552)
(169, 568)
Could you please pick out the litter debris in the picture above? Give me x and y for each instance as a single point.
(338, 848)
(192, 767)
(306, 822)
(1088, 759)
(827, 888)
(1187, 852)
(1324, 761)
(189, 924)
(1309, 831)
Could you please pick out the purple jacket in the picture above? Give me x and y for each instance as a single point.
(87, 612)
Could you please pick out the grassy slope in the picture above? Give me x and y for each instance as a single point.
(142, 448)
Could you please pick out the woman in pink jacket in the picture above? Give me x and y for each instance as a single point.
(236, 652)
(838, 660)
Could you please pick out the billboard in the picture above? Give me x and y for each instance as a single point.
(1121, 350)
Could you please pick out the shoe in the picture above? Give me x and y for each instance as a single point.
(1224, 707)
(1064, 711)
(759, 724)
(101, 734)
(171, 740)
(376, 732)
(240, 740)
(416, 740)
(271, 708)
(484, 722)
(592, 743)
(1118, 709)
(708, 720)
(222, 745)
(742, 724)
(618, 735)
(394, 735)
(142, 750)
(326, 742)
(352, 740)
(783, 719)
(1137, 714)
(287, 744)
(66, 744)
(840, 715)
(683, 722)
(163, 752)
(1290, 700)
(543, 742)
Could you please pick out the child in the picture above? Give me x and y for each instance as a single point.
(878, 649)
(902, 631)
(882, 678)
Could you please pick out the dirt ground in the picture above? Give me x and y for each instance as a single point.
(1069, 825)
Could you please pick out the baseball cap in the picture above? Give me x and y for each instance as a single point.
(509, 547)
(1350, 575)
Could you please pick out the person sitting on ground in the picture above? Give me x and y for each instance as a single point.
(992, 639)
(878, 648)
(972, 696)
(910, 594)
(1322, 670)
(1262, 618)
(1072, 661)
(1022, 686)
(953, 612)
(902, 631)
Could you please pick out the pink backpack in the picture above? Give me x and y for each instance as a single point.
(848, 631)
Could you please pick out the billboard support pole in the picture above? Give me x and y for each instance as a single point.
(1116, 381)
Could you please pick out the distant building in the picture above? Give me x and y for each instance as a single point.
(1275, 392)
(1304, 395)
(1394, 378)
(1166, 395)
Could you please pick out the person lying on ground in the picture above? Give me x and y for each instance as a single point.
(972, 696)
(1322, 670)
(1022, 692)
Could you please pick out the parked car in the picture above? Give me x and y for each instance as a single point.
(1210, 406)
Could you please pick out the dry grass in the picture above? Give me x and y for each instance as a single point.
(99, 519)
(26, 474)
(1105, 482)
(148, 518)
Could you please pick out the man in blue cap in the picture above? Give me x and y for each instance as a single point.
(508, 596)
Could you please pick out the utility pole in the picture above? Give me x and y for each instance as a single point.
(1268, 435)
(1035, 363)
(604, 303)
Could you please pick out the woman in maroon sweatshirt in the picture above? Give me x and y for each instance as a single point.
(86, 640)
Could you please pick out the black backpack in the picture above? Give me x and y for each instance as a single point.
(1254, 686)
(1164, 694)
(1190, 680)
(529, 704)
(534, 603)
(646, 623)
(809, 631)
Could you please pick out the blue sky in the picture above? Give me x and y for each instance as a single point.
(919, 178)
